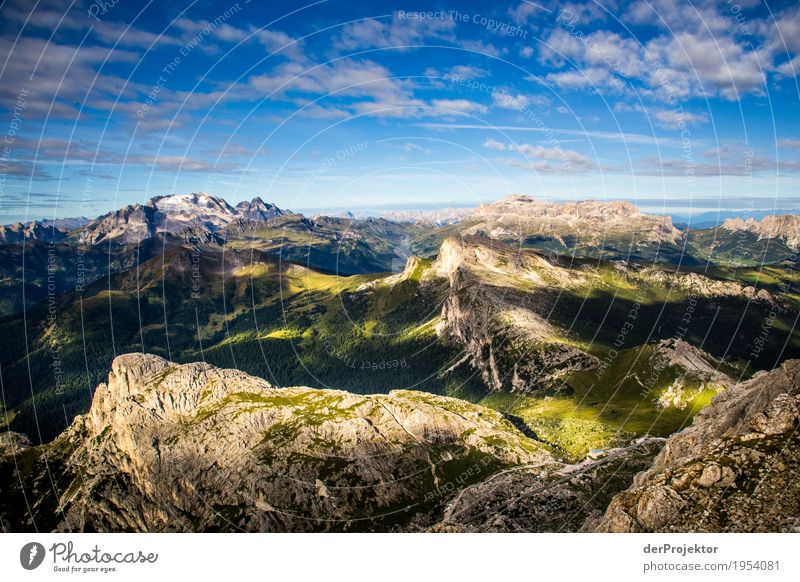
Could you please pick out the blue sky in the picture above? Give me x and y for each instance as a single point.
(337, 104)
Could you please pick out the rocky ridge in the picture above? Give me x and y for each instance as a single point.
(506, 337)
(191, 447)
(36, 230)
(735, 469)
(785, 227)
(519, 217)
(200, 215)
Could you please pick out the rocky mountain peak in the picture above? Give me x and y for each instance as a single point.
(258, 210)
(735, 469)
(194, 207)
(192, 447)
(35, 230)
(521, 216)
(785, 226)
(495, 261)
(201, 213)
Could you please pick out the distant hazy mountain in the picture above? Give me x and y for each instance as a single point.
(37, 230)
(717, 217)
(617, 231)
(438, 217)
(65, 223)
(257, 210)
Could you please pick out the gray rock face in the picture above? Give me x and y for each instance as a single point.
(257, 210)
(736, 468)
(195, 448)
(12, 443)
(784, 226)
(131, 224)
(549, 498)
(519, 216)
(198, 216)
(513, 346)
(36, 230)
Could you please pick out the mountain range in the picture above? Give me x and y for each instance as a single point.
(589, 224)
(347, 245)
(550, 348)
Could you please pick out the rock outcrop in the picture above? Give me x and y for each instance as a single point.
(191, 447)
(503, 334)
(695, 372)
(547, 498)
(735, 469)
(702, 286)
(36, 230)
(785, 227)
(591, 220)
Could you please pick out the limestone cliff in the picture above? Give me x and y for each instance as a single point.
(590, 220)
(191, 447)
(736, 468)
(504, 332)
(785, 227)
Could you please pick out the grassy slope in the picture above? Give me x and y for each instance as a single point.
(286, 323)
(296, 326)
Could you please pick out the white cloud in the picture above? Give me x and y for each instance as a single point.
(678, 118)
(790, 68)
(277, 41)
(518, 102)
(622, 107)
(612, 136)
(560, 47)
(527, 10)
(483, 48)
(705, 53)
(413, 147)
(459, 106)
(467, 72)
(722, 167)
(539, 158)
(553, 154)
(59, 77)
(506, 100)
(698, 65)
(593, 78)
(493, 144)
(394, 32)
(669, 118)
